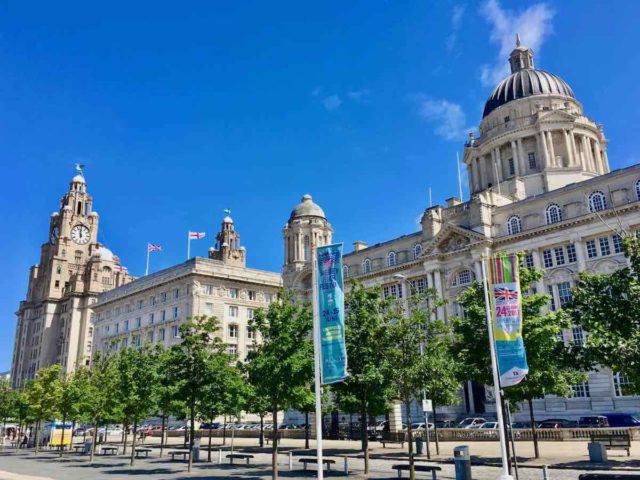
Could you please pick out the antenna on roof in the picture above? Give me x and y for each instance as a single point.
(459, 175)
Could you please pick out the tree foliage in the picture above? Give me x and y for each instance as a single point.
(43, 397)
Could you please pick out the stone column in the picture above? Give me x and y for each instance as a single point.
(538, 266)
(477, 268)
(430, 286)
(297, 247)
(522, 157)
(605, 160)
(552, 151)
(567, 146)
(476, 174)
(542, 148)
(499, 165)
(395, 417)
(586, 153)
(516, 158)
(599, 162)
(483, 172)
(493, 167)
(437, 277)
(580, 255)
(574, 150)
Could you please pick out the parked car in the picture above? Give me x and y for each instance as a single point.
(521, 425)
(489, 426)
(594, 421)
(420, 426)
(445, 423)
(556, 423)
(622, 420)
(471, 422)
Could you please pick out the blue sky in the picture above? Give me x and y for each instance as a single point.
(181, 112)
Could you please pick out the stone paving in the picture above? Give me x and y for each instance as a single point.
(25, 465)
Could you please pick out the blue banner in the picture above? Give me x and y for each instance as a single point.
(333, 353)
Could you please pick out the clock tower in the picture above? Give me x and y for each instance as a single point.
(55, 321)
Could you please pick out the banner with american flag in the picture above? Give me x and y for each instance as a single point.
(154, 248)
(196, 235)
(506, 314)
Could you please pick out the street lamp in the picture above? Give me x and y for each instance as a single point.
(405, 297)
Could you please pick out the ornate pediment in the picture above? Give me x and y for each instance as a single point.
(452, 239)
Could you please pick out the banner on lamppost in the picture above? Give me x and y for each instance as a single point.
(506, 315)
(330, 298)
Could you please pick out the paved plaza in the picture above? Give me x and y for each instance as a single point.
(566, 460)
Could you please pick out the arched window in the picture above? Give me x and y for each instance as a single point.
(638, 189)
(345, 271)
(514, 224)
(463, 277)
(597, 202)
(366, 266)
(417, 250)
(553, 214)
(392, 259)
(307, 248)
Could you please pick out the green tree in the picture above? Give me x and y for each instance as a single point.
(189, 358)
(8, 405)
(281, 368)
(168, 402)
(258, 405)
(367, 390)
(606, 306)
(409, 331)
(137, 382)
(553, 366)
(43, 397)
(69, 400)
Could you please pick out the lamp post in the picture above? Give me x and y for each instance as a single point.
(405, 297)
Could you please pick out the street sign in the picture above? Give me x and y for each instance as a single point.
(427, 406)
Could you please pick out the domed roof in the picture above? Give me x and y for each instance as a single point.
(103, 253)
(78, 179)
(306, 208)
(526, 83)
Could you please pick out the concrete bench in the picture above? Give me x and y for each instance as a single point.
(613, 441)
(241, 456)
(389, 437)
(183, 453)
(418, 467)
(325, 461)
(142, 450)
(109, 450)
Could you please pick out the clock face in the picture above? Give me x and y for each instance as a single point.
(55, 233)
(80, 234)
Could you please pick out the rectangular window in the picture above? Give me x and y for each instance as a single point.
(394, 291)
(207, 289)
(233, 331)
(233, 293)
(57, 284)
(233, 350)
(571, 253)
(578, 336)
(548, 259)
(140, 304)
(151, 318)
(117, 328)
(163, 315)
(233, 311)
(176, 293)
(591, 249)
(152, 301)
(150, 336)
(251, 313)
(618, 247)
(135, 341)
(532, 160)
(560, 336)
(161, 335)
(621, 385)
(528, 260)
(208, 308)
(552, 300)
(163, 297)
(559, 253)
(250, 333)
(138, 322)
(175, 312)
(506, 119)
(605, 248)
(126, 325)
(564, 293)
(252, 295)
(512, 167)
(174, 331)
(418, 285)
(581, 390)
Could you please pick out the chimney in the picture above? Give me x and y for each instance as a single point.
(453, 201)
(359, 245)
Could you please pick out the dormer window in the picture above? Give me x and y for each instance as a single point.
(553, 214)
(514, 225)
(366, 266)
(417, 250)
(597, 202)
(392, 259)
(506, 119)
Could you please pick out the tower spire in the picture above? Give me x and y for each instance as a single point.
(518, 40)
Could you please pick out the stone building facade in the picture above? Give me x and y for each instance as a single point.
(54, 322)
(540, 183)
(151, 309)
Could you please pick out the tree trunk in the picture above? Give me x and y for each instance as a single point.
(4, 431)
(224, 430)
(37, 437)
(64, 421)
(133, 442)
(125, 434)
(94, 440)
(534, 430)
(210, 425)
(163, 427)
(364, 437)
(435, 428)
(262, 430)
(186, 433)
(274, 445)
(306, 430)
(412, 470)
(192, 418)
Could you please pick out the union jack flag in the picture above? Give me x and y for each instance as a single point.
(154, 248)
(505, 294)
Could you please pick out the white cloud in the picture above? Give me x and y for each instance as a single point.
(448, 118)
(456, 21)
(332, 102)
(533, 25)
(360, 96)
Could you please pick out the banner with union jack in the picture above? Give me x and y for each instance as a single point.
(506, 315)
(153, 248)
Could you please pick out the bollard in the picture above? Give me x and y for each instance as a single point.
(545, 472)
(219, 456)
(346, 465)
(290, 460)
(462, 461)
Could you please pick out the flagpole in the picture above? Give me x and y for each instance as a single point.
(316, 347)
(459, 177)
(504, 475)
(188, 245)
(146, 272)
